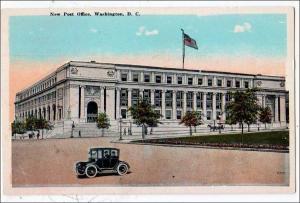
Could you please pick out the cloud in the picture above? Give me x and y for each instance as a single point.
(245, 27)
(281, 22)
(93, 30)
(143, 31)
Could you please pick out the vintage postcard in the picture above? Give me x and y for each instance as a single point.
(140, 100)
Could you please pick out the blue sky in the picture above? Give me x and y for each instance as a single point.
(47, 37)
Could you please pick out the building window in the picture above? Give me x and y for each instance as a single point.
(179, 80)
(135, 77)
(147, 95)
(123, 113)
(218, 101)
(169, 97)
(209, 98)
(124, 97)
(146, 78)
(190, 81)
(209, 82)
(219, 115)
(219, 83)
(199, 99)
(208, 115)
(169, 79)
(237, 83)
(157, 98)
(246, 84)
(179, 99)
(189, 100)
(178, 114)
(158, 79)
(168, 114)
(200, 81)
(124, 77)
(228, 83)
(135, 96)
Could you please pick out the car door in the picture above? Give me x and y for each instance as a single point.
(106, 158)
(114, 157)
(100, 158)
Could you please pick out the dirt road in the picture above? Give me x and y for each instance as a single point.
(51, 163)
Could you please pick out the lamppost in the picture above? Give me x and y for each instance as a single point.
(120, 120)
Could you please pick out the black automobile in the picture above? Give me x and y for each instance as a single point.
(102, 160)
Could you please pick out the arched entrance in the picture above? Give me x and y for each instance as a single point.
(92, 112)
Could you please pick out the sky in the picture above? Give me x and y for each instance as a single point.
(244, 43)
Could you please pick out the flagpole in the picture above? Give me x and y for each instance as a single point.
(183, 49)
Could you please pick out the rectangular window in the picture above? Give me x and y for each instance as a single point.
(157, 98)
(237, 83)
(146, 78)
(158, 79)
(200, 81)
(246, 84)
(219, 83)
(179, 80)
(169, 79)
(199, 98)
(189, 100)
(208, 115)
(124, 97)
(209, 82)
(169, 98)
(190, 81)
(228, 83)
(124, 77)
(209, 100)
(135, 77)
(179, 99)
(178, 114)
(168, 114)
(123, 113)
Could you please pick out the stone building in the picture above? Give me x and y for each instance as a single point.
(77, 91)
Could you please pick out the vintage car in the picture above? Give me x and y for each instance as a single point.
(102, 160)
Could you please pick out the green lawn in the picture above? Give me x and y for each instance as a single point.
(276, 138)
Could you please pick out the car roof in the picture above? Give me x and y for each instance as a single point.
(97, 148)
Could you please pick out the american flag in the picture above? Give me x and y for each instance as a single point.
(190, 42)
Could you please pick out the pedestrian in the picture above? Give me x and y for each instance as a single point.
(38, 135)
(79, 133)
(124, 132)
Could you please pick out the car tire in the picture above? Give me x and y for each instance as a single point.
(91, 171)
(122, 168)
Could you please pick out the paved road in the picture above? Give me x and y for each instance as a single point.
(51, 163)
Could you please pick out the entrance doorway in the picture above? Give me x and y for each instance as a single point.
(92, 112)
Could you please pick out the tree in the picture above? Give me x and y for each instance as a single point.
(243, 108)
(31, 123)
(265, 115)
(103, 122)
(191, 118)
(42, 124)
(144, 115)
(18, 127)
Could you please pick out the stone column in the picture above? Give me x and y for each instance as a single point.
(184, 103)
(264, 97)
(205, 80)
(204, 106)
(141, 91)
(152, 79)
(276, 109)
(142, 76)
(233, 82)
(163, 104)
(282, 109)
(223, 105)
(195, 101)
(214, 81)
(129, 101)
(129, 97)
(214, 104)
(152, 96)
(118, 115)
(82, 104)
(102, 99)
(129, 76)
(174, 105)
(110, 102)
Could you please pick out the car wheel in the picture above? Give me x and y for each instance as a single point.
(122, 169)
(91, 171)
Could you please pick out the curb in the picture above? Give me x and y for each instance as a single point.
(204, 147)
